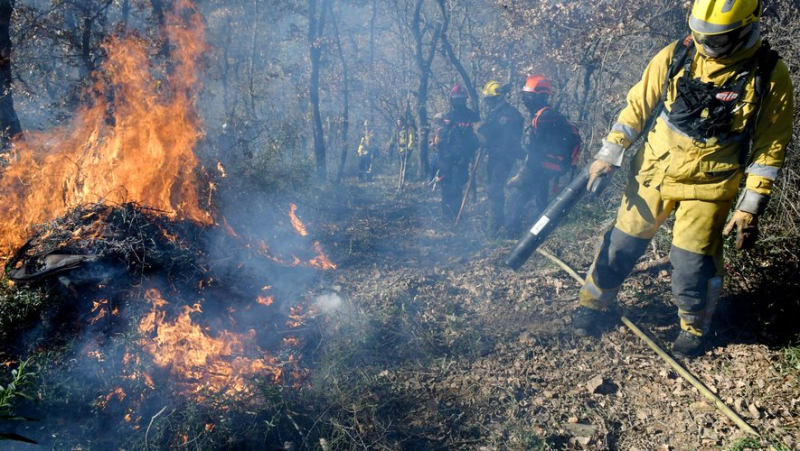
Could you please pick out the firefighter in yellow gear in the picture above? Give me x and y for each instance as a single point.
(500, 134)
(712, 129)
(402, 141)
(365, 154)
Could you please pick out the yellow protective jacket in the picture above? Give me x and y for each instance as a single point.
(403, 140)
(364, 148)
(684, 168)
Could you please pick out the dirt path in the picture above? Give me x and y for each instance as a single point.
(438, 346)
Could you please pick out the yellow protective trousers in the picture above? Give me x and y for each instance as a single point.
(696, 254)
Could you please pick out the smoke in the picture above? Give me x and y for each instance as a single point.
(328, 303)
(212, 322)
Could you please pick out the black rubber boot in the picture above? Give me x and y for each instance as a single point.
(588, 322)
(688, 345)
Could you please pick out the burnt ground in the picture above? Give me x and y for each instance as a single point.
(437, 346)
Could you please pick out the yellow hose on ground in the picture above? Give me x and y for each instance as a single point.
(683, 372)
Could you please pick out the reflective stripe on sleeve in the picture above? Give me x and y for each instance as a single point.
(763, 170)
(611, 153)
(629, 132)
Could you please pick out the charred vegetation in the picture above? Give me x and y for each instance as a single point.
(191, 259)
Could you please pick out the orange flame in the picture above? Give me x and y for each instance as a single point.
(146, 156)
(117, 393)
(266, 300)
(295, 316)
(320, 261)
(297, 225)
(100, 308)
(205, 363)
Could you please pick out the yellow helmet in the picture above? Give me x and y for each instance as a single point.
(493, 89)
(712, 17)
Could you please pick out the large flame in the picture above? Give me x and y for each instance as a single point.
(137, 146)
(133, 141)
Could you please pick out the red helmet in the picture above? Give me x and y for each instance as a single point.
(458, 92)
(538, 84)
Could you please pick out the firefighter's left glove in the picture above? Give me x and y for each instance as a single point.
(746, 225)
(598, 169)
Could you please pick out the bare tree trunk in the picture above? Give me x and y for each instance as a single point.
(158, 12)
(473, 93)
(424, 62)
(316, 26)
(371, 80)
(86, 45)
(587, 90)
(251, 68)
(90, 18)
(346, 90)
(589, 67)
(126, 12)
(226, 70)
(9, 122)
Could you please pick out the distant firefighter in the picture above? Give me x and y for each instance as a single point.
(501, 134)
(437, 124)
(552, 145)
(365, 154)
(722, 105)
(401, 145)
(456, 146)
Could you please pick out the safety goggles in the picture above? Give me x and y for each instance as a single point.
(716, 41)
(720, 44)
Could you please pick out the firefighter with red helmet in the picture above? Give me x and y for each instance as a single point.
(456, 146)
(501, 134)
(552, 145)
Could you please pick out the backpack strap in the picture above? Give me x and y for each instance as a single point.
(535, 120)
(680, 60)
(766, 60)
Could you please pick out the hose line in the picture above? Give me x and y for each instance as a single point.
(683, 372)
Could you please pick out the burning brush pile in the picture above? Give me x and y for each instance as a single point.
(156, 310)
(155, 302)
(98, 242)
